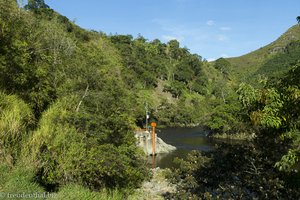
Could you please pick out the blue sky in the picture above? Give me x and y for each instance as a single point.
(210, 28)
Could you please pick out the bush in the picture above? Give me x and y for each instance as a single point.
(71, 148)
(241, 171)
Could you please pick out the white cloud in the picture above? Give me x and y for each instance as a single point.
(222, 38)
(210, 23)
(172, 30)
(225, 28)
(198, 37)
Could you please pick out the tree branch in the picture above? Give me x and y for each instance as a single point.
(84, 95)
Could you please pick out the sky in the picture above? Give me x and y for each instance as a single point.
(210, 28)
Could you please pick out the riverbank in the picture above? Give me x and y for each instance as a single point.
(179, 125)
(237, 136)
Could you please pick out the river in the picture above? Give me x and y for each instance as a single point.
(185, 140)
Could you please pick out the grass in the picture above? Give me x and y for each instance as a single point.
(18, 183)
(246, 65)
(74, 191)
(15, 117)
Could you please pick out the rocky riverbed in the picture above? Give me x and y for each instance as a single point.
(156, 187)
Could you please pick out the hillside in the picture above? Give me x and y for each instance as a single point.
(282, 52)
(70, 99)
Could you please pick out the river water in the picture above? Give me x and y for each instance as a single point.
(185, 140)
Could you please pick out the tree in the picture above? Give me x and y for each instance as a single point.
(173, 49)
(298, 19)
(36, 4)
(275, 110)
(223, 65)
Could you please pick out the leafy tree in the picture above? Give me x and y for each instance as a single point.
(173, 49)
(298, 19)
(223, 65)
(183, 72)
(274, 109)
(223, 119)
(263, 107)
(247, 96)
(199, 85)
(176, 88)
(31, 63)
(36, 4)
(195, 61)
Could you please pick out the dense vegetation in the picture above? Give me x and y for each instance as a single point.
(176, 84)
(268, 166)
(65, 109)
(265, 168)
(281, 62)
(70, 100)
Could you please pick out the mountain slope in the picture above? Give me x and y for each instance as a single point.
(259, 62)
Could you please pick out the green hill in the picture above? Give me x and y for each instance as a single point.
(271, 60)
(70, 99)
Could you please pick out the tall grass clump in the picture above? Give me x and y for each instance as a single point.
(15, 118)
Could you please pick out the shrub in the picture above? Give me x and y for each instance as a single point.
(68, 153)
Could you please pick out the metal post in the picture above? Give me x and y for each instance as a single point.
(153, 124)
(153, 162)
(147, 116)
(153, 140)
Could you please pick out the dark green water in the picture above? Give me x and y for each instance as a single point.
(185, 140)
